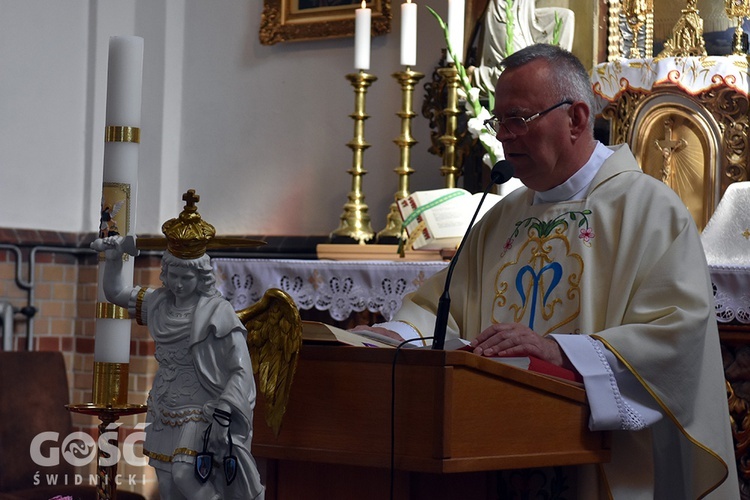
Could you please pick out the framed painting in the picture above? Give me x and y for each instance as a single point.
(297, 20)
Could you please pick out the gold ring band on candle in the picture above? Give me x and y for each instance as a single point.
(105, 310)
(122, 134)
(110, 386)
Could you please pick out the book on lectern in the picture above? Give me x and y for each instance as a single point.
(439, 218)
(315, 331)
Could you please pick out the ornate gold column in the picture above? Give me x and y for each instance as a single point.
(355, 221)
(449, 169)
(408, 79)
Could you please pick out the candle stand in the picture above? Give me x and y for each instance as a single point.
(110, 390)
(408, 80)
(355, 224)
(739, 10)
(449, 74)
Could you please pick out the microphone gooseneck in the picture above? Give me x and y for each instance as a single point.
(501, 172)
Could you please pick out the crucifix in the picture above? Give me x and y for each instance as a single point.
(668, 147)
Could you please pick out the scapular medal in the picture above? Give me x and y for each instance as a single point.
(230, 463)
(204, 460)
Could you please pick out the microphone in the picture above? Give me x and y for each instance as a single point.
(501, 173)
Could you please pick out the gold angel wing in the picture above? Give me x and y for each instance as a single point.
(274, 337)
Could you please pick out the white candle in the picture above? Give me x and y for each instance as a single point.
(408, 33)
(124, 89)
(456, 9)
(362, 17)
(124, 81)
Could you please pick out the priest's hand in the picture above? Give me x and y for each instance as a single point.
(515, 339)
(379, 330)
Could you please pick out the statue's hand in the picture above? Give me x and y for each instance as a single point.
(218, 441)
(111, 246)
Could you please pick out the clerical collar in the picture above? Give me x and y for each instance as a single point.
(576, 187)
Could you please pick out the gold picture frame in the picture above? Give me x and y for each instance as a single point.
(298, 20)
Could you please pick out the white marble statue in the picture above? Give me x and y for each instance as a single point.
(200, 406)
(530, 25)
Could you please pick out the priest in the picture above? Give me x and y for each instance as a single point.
(598, 267)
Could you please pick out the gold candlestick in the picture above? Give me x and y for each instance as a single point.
(449, 169)
(355, 221)
(408, 80)
(106, 469)
(739, 9)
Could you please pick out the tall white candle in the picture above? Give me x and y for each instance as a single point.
(408, 33)
(362, 19)
(120, 180)
(456, 13)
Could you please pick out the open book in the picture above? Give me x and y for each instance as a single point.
(439, 218)
(314, 331)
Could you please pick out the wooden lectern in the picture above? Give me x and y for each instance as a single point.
(457, 417)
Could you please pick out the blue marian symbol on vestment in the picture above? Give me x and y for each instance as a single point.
(556, 269)
(538, 284)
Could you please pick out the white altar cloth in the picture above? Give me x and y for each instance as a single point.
(726, 240)
(693, 75)
(339, 287)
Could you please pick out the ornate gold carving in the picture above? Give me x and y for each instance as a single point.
(724, 106)
(282, 21)
(621, 115)
(636, 17)
(614, 36)
(687, 35)
(739, 9)
(188, 235)
(636, 14)
(668, 147)
(434, 108)
(736, 357)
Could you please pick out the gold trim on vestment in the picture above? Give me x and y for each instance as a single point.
(668, 413)
(115, 133)
(105, 310)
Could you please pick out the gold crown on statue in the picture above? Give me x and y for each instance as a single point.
(188, 235)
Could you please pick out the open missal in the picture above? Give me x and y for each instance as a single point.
(314, 331)
(438, 218)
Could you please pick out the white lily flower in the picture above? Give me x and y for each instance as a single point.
(493, 147)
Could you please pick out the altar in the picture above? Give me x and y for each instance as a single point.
(339, 288)
(685, 119)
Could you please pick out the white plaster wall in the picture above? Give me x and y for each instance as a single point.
(260, 132)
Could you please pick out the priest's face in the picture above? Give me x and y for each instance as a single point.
(539, 154)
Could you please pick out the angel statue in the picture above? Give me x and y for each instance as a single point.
(200, 407)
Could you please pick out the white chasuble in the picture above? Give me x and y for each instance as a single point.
(626, 266)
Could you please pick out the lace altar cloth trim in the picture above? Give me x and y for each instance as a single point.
(693, 75)
(731, 293)
(339, 287)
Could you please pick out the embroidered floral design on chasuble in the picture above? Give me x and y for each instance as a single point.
(540, 284)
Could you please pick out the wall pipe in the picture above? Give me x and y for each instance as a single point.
(29, 310)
